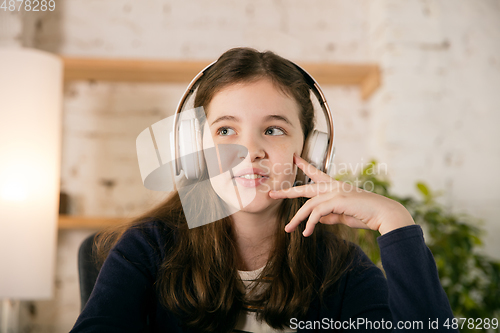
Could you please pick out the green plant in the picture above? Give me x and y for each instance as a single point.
(471, 280)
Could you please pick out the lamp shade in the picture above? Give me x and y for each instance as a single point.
(30, 149)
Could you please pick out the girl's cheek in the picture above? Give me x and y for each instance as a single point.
(285, 147)
(284, 167)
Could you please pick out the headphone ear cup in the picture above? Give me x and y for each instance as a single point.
(191, 148)
(314, 152)
(199, 148)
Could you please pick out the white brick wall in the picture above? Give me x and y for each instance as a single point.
(433, 119)
(102, 121)
(312, 30)
(436, 115)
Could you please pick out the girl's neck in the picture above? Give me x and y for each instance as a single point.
(254, 237)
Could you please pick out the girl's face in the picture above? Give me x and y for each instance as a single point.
(261, 118)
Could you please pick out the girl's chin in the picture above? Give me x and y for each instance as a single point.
(252, 203)
(257, 206)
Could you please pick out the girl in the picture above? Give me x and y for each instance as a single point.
(276, 265)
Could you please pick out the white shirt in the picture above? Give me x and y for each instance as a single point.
(247, 321)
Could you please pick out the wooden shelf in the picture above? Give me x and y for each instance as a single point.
(86, 222)
(366, 76)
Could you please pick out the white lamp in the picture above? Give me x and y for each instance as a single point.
(30, 154)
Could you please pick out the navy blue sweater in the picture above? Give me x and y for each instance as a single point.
(124, 296)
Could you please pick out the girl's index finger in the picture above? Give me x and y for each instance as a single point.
(311, 171)
(303, 191)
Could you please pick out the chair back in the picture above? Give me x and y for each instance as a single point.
(87, 269)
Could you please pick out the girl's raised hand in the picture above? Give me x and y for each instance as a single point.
(332, 201)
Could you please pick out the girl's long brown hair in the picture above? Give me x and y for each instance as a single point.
(198, 279)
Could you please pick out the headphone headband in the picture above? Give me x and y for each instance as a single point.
(313, 85)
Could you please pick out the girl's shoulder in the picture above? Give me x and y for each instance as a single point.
(330, 239)
(348, 256)
(147, 239)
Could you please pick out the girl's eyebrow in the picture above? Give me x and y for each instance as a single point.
(270, 117)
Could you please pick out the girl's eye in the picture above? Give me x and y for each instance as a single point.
(276, 130)
(224, 131)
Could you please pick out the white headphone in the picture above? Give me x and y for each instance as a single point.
(187, 147)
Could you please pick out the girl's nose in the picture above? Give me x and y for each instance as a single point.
(255, 149)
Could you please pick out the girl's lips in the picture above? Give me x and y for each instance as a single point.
(246, 171)
(251, 182)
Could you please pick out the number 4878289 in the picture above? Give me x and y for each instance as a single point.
(471, 323)
(28, 5)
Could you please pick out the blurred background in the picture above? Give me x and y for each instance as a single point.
(433, 117)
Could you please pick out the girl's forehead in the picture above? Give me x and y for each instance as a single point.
(256, 99)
